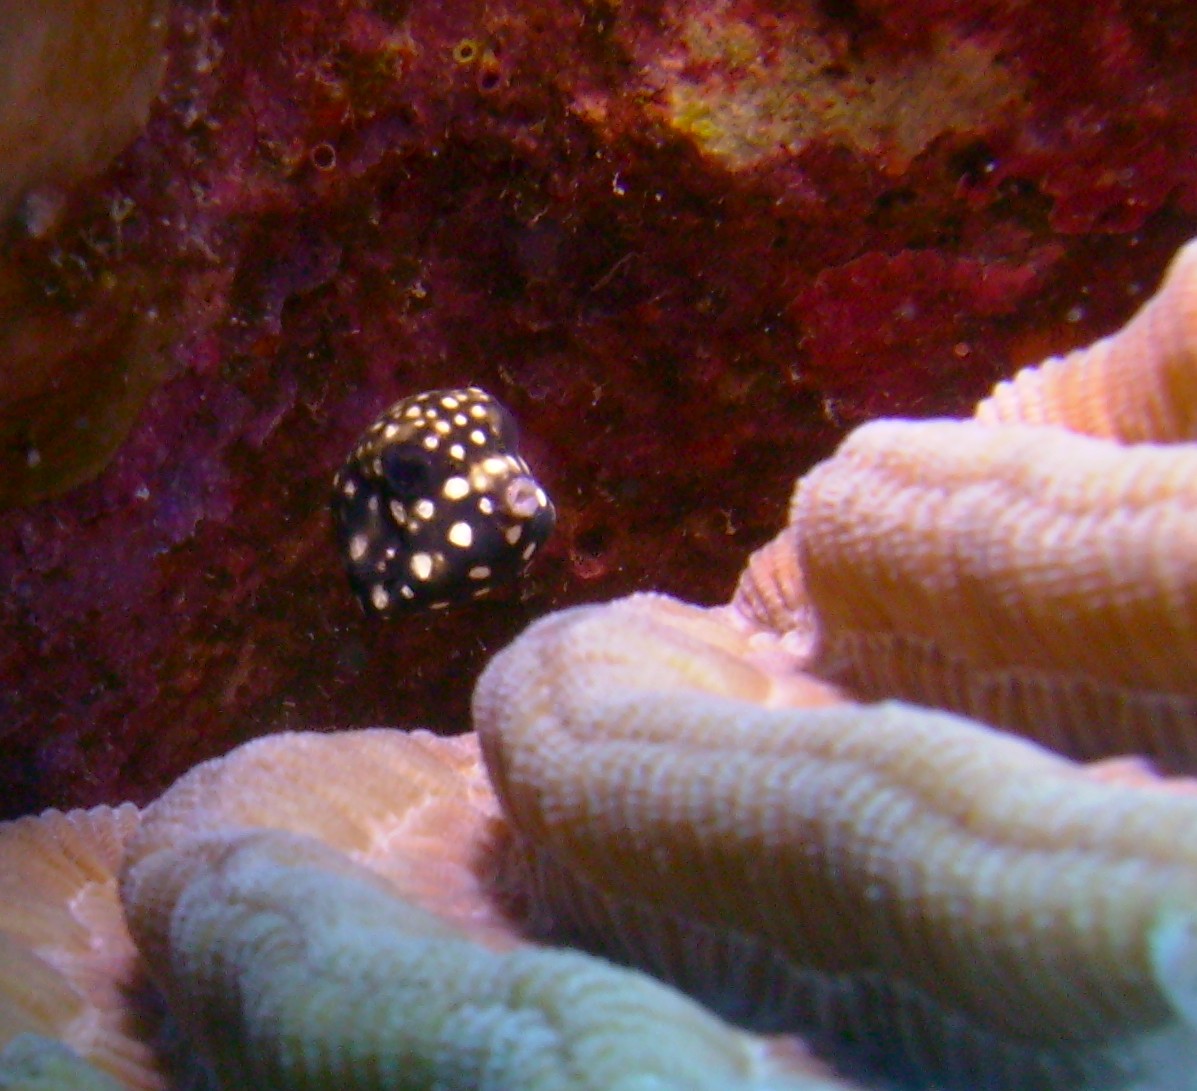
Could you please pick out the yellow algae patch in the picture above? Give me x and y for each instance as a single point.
(743, 92)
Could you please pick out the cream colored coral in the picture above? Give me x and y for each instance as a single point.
(32, 1063)
(292, 967)
(68, 969)
(289, 965)
(410, 806)
(1008, 567)
(965, 867)
(670, 779)
(1137, 385)
(1036, 579)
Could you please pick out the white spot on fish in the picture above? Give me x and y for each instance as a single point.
(461, 535)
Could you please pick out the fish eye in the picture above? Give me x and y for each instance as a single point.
(409, 472)
(521, 497)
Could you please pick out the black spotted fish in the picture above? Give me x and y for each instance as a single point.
(435, 506)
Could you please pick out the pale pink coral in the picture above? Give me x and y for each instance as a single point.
(1138, 385)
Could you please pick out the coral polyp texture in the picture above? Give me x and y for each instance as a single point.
(963, 907)
(1135, 386)
(277, 943)
(1068, 552)
(72, 982)
(1070, 564)
(688, 244)
(705, 791)
(330, 899)
(915, 809)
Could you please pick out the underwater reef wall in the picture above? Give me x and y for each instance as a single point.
(689, 243)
